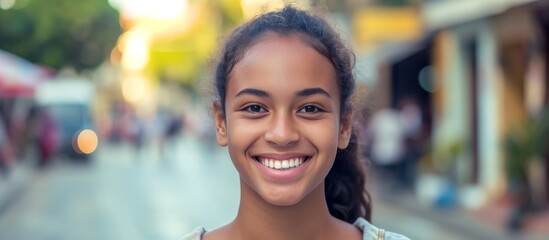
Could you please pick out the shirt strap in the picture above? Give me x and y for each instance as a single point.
(381, 234)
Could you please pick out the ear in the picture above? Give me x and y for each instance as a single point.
(345, 129)
(220, 124)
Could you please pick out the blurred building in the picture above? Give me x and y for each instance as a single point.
(478, 70)
(484, 62)
(18, 80)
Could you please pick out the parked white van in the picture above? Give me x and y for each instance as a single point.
(65, 123)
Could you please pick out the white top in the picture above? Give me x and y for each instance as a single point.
(369, 232)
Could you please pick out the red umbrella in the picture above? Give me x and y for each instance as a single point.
(18, 77)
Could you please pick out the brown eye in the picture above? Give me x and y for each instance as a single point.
(309, 109)
(255, 108)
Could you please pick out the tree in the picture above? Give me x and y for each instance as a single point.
(58, 33)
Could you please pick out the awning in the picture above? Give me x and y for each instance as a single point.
(18, 77)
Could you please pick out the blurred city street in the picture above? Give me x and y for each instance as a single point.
(105, 131)
(117, 196)
(124, 193)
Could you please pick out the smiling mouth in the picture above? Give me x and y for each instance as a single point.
(282, 164)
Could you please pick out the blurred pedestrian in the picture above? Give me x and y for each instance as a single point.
(117, 128)
(284, 84)
(47, 137)
(6, 151)
(137, 133)
(412, 120)
(387, 132)
(172, 125)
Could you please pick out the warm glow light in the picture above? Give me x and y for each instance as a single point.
(133, 88)
(252, 8)
(87, 141)
(135, 50)
(158, 9)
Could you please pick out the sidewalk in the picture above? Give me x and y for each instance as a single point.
(14, 182)
(484, 223)
(497, 213)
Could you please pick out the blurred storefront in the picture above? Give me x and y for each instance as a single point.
(485, 64)
(18, 81)
(479, 72)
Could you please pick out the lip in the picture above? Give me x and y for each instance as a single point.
(281, 156)
(286, 175)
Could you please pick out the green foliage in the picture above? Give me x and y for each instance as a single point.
(59, 33)
(527, 141)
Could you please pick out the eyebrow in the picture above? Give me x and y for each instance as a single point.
(252, 91)
(303, 93)
(312, 91)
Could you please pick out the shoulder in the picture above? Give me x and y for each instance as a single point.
(371, 232)
(196, 234)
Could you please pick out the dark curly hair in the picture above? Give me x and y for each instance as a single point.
(346, 194)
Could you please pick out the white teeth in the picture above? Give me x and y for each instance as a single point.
(282, 164)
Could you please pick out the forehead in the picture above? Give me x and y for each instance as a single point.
(272, 42)
(284, 59)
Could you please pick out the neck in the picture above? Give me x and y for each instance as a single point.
(308, 219)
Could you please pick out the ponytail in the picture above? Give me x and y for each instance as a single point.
(346, 193)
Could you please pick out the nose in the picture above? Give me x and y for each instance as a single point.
(282, 131)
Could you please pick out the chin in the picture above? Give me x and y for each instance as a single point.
(282, 198)
(283, 202)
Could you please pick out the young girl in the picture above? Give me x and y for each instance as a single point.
(284, 83)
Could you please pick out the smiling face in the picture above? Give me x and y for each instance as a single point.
(282, 119)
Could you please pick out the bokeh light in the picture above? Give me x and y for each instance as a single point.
(135, 50)
(87, 141)
(133, 88)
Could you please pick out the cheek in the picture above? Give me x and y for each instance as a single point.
(242, 131)
(324, 135)
(326, 128)
(241, 135)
